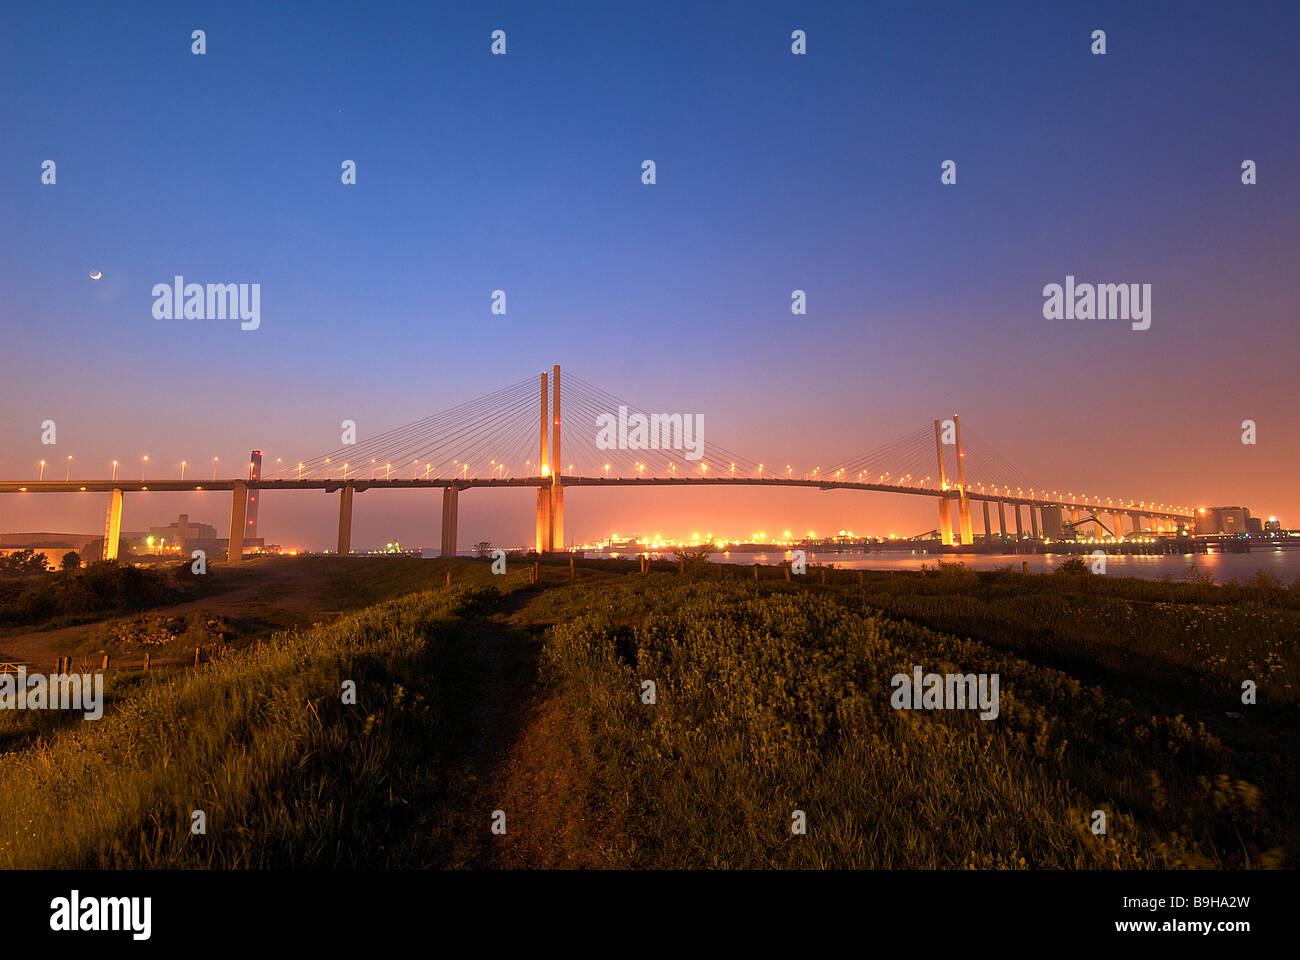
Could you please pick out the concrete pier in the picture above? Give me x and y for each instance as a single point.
(450, 509)
(113, 525)
(345, 521)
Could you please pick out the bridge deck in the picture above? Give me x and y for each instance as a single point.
(332, 486)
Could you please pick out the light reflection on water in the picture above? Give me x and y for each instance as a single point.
(1281, 561)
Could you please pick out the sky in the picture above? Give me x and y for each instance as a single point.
(775, 172)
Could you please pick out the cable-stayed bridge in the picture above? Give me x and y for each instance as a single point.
(513, 437)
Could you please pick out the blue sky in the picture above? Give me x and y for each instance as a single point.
(774, 172)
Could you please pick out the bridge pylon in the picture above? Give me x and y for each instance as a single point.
(945, 515)
(544, 470)
(550, 496)
(963, 503)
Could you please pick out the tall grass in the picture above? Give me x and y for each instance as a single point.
(286, 773)
(776, 700)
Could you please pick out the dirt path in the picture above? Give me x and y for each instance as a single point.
(537, 762)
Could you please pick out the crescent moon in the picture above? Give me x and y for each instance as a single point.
(96, 275)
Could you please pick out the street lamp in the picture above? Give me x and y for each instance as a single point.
(69, 474)
(42, 470)
(182, 469)
(114, 469)
(144, 462)
(214, 468)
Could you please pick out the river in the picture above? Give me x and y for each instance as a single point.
(1283, 561)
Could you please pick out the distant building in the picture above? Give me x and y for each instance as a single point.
(1223, 521)
(177, 537)
(183, 537)
(1272, 524)
(1255, 526)
(1234, 520)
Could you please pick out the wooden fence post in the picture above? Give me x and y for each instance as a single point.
(106, 663)
(146, 661)
(573, 567)
(196, 656)
(755, 571)
(1024, 566)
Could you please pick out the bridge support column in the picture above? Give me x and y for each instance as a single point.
(544, 519)
(945, 522)
(345, 521)
(945, 516)
(963, 504)
(557, 516)
(988, 529)
(235, 552)
(113, 525)
(557, 465)
(1002, 518)
(1117, 522)
(544, 540)
(1020, 531)
(1033, 519)
(450, 510)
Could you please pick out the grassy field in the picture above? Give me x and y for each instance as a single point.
(772, 696)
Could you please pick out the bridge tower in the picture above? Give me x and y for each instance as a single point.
(550, 496)
(945, 516)
(543, 470)
(557, 471)
(250, 511)
(963, 504)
